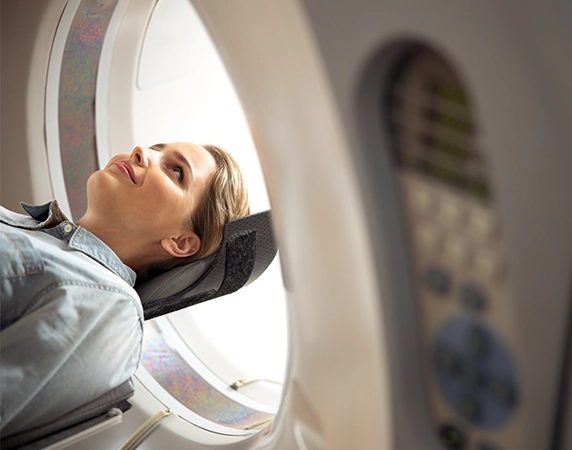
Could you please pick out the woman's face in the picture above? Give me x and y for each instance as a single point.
(151, 191)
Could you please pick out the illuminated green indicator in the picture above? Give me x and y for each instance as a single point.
(431, 116)
(478, 188)
(450, 91)
(450, 149)
(454, 123)
(452, 438)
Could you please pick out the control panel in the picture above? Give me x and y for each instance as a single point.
(458, 263)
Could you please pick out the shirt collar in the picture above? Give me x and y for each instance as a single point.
(51, 216)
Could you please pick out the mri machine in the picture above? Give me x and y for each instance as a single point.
(417, 159)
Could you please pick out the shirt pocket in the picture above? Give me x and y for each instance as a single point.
(18, 257)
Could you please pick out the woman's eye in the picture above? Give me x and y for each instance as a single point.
(178, 172)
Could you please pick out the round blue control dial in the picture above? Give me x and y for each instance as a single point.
(474, 372)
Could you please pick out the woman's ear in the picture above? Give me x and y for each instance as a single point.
(182, 246)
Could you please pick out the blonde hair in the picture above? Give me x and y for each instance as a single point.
(225, 198)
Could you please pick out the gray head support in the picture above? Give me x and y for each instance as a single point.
(247, 249)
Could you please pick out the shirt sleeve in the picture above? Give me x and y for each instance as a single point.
(79, 341)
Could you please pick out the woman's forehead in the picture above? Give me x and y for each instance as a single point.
(189, 149)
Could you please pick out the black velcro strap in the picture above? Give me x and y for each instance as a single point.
(240, 255)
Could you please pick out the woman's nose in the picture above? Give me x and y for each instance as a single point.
(140, 156)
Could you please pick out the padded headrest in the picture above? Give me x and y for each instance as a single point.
(247, 249)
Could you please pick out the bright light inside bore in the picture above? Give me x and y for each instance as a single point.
(183, 93)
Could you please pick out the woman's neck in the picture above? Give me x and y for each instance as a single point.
(133, 250)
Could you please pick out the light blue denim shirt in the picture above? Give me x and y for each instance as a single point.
(71, 322)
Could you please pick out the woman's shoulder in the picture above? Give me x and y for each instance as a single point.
(13, 218)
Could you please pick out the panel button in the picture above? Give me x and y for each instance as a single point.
(483, 225)
(452, 438)
(428, 238)
(472, 297)
(438, 280)
(489, 265)
(451, 213)
(422, 200)
(457, 251)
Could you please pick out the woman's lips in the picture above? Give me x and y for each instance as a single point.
(127, 169)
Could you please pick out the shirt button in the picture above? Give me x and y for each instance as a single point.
(68, 228)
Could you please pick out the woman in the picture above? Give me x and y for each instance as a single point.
(71, 322)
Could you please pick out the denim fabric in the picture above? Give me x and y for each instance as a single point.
(70, 321)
